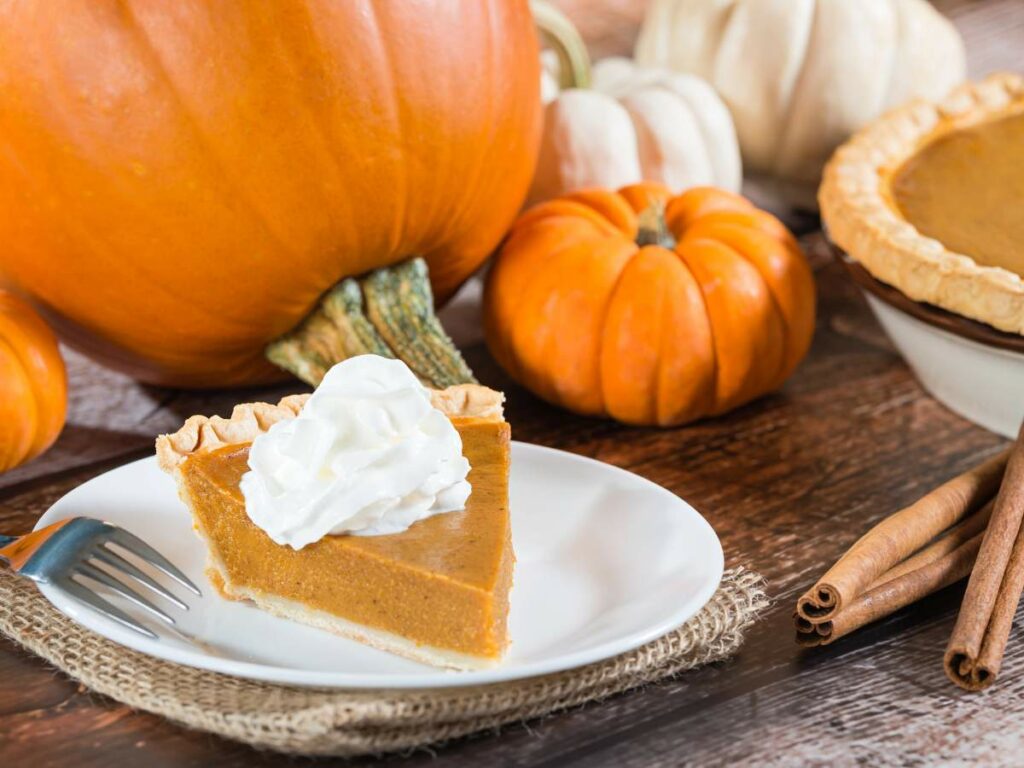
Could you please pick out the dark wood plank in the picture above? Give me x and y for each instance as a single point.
(788, 482)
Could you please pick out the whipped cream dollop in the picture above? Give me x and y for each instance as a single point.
(367, 455)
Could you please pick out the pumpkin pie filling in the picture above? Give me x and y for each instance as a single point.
(965, 188)
(436, 592)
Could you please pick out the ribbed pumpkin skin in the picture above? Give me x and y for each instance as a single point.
(180, 181)
(584, 317)
(33, 384)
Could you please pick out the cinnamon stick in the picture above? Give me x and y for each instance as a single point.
(951, 540)
(890, 596)
(975, 650)
(944, 562)
(899, 536)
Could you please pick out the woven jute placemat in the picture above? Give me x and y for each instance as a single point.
(350, 723)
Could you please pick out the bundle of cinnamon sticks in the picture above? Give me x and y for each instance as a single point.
(969, 525)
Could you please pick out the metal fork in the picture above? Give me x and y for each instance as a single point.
(69, 554)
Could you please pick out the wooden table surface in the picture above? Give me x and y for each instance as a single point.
(788, 482)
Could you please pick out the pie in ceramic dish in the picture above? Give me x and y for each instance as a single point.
(437, 592)
(930, 200)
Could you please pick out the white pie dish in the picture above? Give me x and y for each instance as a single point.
(974, 370)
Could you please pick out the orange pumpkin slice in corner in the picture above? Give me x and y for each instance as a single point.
(33, 384)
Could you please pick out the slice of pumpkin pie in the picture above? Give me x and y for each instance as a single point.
(374, 508)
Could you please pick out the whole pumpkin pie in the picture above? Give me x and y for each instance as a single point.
(437, 592)
(930, 199)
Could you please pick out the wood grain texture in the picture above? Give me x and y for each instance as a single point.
(789, 483)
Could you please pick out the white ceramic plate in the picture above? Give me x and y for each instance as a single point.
(606, 561)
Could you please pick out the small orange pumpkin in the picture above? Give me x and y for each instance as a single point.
(648, 307)
(33, 384)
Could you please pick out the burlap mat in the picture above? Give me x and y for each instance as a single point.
(349, 723)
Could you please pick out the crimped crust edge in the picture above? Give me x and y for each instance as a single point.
(201, 434)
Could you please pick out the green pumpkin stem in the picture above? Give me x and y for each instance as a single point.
(651, 227)
(561, 36)
(388, 312)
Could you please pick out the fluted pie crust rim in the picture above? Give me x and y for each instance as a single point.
(203, 434)
(860, 219)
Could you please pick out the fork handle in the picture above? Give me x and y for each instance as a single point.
(4, 541)
(18, 550)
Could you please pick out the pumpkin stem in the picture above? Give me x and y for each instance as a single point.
(560, 34)
(651, 227)
(388, 312)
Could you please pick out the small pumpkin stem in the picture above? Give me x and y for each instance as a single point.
(388, 312)
(651, 227)
(560, 34)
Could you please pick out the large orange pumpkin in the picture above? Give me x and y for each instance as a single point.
(649, 308)
(181, 181)
(33, 384)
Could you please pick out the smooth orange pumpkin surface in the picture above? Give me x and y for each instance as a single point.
(589, 319)
(33, 384)
(180, 181)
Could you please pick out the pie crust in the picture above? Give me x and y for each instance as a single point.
(202, 434)
(861, 219)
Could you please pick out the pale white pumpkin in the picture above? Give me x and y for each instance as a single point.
(635, 123)
(617, 123)
(800, 76)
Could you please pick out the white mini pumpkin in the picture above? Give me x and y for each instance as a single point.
(800, 76)
(632, 123)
